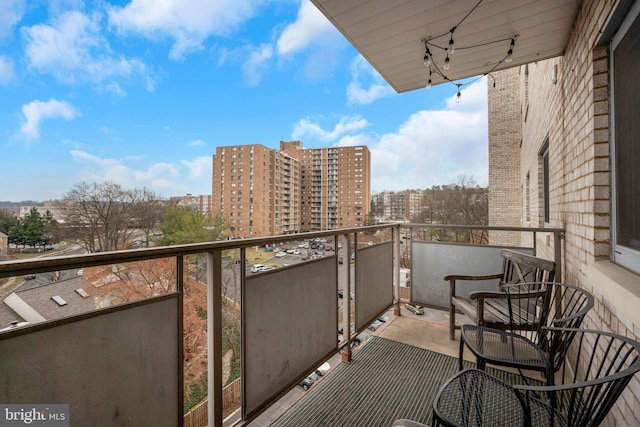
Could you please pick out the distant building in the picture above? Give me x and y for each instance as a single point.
(265, 192)
(200, 204)
(53, 206)
(397, 205)
(46, 302)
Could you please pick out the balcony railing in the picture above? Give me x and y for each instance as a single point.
(123, 354)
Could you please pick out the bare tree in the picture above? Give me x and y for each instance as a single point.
(149, 211)
(100, 215)
(463, 203)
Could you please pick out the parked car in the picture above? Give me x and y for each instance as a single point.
(328, 248)
(323, 369)
(308, 381)
(340, 260)
(29, 276)
(375, 325)
(383, 318)
(281, 254)
(415, 308)
(255, 268)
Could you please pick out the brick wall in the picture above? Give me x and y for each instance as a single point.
(565, 101)
(504, 156)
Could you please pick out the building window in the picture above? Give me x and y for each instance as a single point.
(527, 199)
(544, 181)
(625, 89)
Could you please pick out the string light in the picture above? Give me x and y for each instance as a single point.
(427, 58)
(509, 57)
(430, 63)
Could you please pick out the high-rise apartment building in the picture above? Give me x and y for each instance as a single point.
(265, 192)
(397, 206)
(200, 203)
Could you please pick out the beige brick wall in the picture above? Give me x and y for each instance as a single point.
(504, 156)
(565, 99)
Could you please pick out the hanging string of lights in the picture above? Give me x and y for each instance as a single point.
(450, 49)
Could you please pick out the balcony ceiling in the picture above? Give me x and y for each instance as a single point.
(389, 34)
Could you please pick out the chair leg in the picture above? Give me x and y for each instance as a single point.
(460, 355)
(452, 322)
(480, 363)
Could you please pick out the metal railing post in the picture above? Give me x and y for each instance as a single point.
(395, 233)
(214, 337)
(346, 296)
(180, 290)
(557, 253)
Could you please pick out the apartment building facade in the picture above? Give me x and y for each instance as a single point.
(563, 150)
(397, 206)
(199, 203)
(265, 192)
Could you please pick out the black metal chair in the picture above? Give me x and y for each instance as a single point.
(533, 309)
(598, 368)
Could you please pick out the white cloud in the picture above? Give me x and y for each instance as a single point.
(310, 26)
(313, 35)
(188, 22)
(72, 49)
(6, 70)
(160, 177)
(432, 147)
(307, 128)
(196, 143)
(256, 63)
(200, 167)
(11, 12)
(36, 111)
(362, 74)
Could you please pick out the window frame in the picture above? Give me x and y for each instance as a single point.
(544, 182)
(620, 254)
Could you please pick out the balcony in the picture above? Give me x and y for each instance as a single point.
(125, 352)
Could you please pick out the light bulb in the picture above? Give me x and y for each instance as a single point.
(458, 97)
(427, 60)
(446, 63)
(428, 86)
(451, 46)
(509, 57)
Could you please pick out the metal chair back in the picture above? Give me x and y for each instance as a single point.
(544, 305)
(598, 367)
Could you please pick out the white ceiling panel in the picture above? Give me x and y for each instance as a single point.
(390, 34)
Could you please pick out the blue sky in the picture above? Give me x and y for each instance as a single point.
(142, 92)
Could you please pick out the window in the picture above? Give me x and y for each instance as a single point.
(544, 154)
(527, 199)
(625, 131)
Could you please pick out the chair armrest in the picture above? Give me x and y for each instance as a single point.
(453, 277)
(488, 294)
(469, 277)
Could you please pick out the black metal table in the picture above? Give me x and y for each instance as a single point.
(474, 398)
